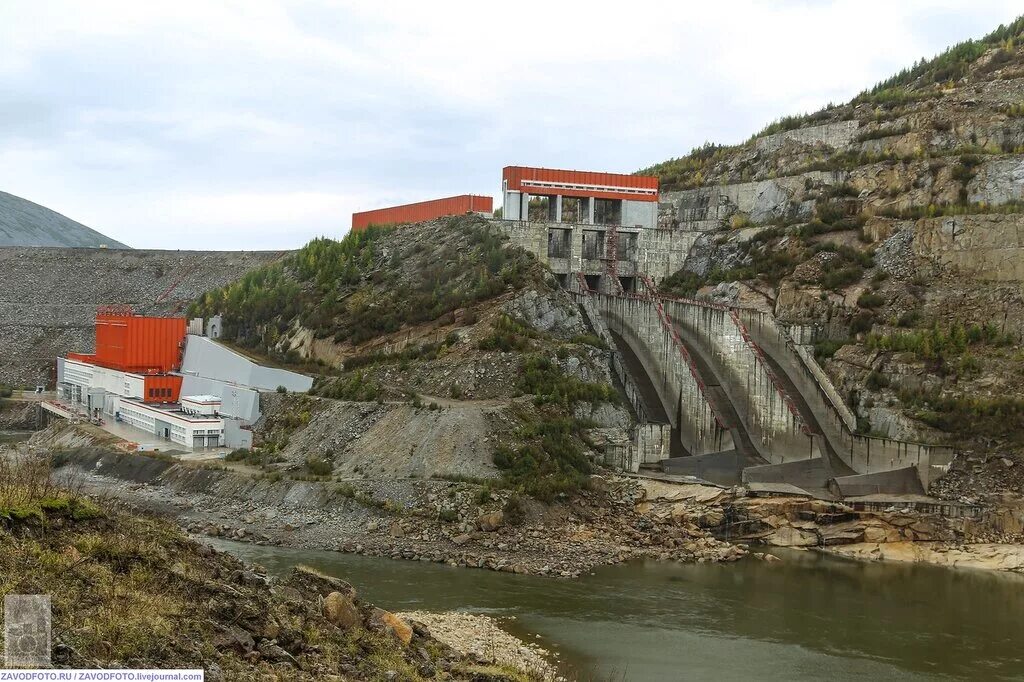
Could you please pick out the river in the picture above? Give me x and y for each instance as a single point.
(809, 617)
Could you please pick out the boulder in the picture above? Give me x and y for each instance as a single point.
(791, 537)
(233, 637)
(340, 610)
(385, 620)
(270, 650)
(491, 522)
(881, 534)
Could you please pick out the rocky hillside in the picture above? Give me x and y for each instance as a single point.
(133, 591)
(890, 226)
(441, 351)
(23, 223)
(48, 297)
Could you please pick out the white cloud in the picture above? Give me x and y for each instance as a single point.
(256, 121)
(246, 209)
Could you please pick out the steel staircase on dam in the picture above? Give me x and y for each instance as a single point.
(837, 462)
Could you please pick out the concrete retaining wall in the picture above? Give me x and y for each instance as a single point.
(838, 135)
(207, 358)
(710, 208)
(658, 252)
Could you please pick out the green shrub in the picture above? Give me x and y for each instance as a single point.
(882, 132)
(876, 380)
(515, 511)
(827, 348)
(841, 277)
(939, 343)
(1001, 417)
(319, 466)
(237, 455)
(590, 340)
(508, 335)
(969, 365)
(354, 387)
(870, 300)
(546, 381)
(862, 322)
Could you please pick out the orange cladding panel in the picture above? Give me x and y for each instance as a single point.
(161, 388)
(134, 343)
(423, 210)
(570, 183)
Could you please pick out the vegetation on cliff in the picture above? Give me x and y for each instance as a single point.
(369, 283)
(923, 82)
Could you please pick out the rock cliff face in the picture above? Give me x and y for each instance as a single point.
(49, 296)
(23, 223)
(888, 229)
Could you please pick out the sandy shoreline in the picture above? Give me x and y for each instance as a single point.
(482, 637)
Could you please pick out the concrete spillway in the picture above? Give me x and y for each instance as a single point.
(648, 392)
(745, 403)
(724, 468)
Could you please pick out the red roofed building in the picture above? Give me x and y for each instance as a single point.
(579, 196)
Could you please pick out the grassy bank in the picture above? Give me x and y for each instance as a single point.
(130, 590)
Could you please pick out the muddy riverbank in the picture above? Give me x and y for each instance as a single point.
(423, 520)
(463, 524)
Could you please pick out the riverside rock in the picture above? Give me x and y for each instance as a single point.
(341, 611)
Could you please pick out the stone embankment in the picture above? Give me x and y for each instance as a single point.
(45, 313)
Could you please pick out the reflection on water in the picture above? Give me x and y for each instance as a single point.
(808, 617)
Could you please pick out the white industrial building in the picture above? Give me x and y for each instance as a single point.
(209, 398)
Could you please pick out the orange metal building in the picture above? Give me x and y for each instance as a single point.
(423, 210)
(135, 343)
(583, 184)
(146, 347)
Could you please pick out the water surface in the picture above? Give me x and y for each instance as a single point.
(810, 617)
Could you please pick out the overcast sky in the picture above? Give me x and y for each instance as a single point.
(258, 124)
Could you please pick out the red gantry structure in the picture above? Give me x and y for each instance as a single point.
(423, 210)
